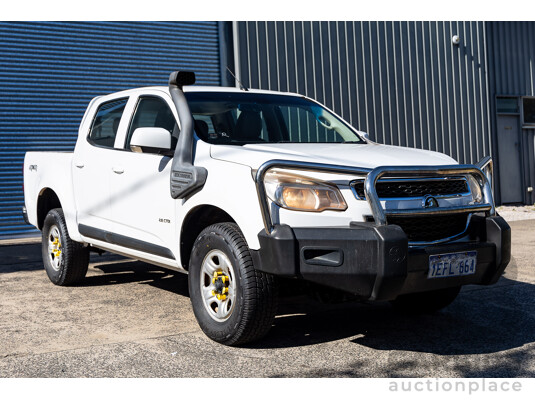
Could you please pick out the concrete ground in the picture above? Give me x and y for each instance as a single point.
(516, 213)
(129, 319)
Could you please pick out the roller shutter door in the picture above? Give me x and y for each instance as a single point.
(49, 71)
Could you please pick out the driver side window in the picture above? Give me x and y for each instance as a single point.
(153, 112)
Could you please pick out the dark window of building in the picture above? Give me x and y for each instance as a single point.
(153, 112)
(529, 110)
(104, 128)
(508, 105)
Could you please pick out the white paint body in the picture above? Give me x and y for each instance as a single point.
(128, 193)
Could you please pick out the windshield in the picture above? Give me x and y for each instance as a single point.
(243, 118)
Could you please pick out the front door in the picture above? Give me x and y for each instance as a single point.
(142, 206)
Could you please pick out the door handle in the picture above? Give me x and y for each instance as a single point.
(118, 170)
(78, 164)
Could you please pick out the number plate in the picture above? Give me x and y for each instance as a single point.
(452, 264)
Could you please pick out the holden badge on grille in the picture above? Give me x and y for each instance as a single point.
(429, 201)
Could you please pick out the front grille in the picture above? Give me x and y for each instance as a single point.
(389, 189)
(432, 227)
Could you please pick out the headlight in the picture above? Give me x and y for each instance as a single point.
(475, 189)
(300, 193)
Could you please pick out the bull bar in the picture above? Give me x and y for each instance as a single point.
(482, 171)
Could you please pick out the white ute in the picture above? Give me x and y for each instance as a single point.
(244, 189)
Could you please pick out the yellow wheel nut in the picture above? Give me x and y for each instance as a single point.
(225, 290)
(216, 275)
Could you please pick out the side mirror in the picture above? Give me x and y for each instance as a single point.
(150, 140)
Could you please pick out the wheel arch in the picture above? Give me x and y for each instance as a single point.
(46, 201)
(195, 221)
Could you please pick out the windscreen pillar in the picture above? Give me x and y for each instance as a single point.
(186, 178)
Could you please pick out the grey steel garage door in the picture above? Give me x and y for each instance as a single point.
(49, 71)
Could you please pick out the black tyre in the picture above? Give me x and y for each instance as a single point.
(65, 260)
(426, 302)
(234, 304)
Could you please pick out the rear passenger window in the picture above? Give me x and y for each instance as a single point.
(153, 112)
(104, 128)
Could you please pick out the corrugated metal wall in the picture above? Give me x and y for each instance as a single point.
(512, 51)
(50, 70)
(404, 83)
(513, 44)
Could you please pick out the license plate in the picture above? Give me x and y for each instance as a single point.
(452, 264)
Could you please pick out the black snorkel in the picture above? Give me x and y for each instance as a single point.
(186, 178)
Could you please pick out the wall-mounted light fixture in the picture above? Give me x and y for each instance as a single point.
(456, 39)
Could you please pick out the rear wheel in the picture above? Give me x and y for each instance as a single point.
(425, 302)
(232, 302)
(65, 260)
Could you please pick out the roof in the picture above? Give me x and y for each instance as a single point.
(187, 89)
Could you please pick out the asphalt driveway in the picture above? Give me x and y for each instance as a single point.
(130, 319)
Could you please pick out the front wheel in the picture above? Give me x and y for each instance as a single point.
(65, 260)
(232, 302)
(426, 302)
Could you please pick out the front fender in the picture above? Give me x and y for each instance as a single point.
(230, 187)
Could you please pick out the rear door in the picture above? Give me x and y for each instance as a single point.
(93, 160)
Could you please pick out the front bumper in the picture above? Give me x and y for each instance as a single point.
(376, 262)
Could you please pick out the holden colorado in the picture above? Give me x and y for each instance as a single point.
(243, 189)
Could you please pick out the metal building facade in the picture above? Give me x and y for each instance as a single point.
(49, 71)
(512, 51)
(405, 83)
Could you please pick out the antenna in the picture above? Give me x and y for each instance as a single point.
(237, 80)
